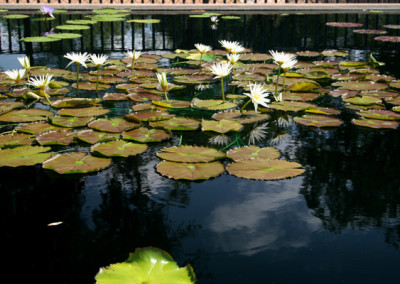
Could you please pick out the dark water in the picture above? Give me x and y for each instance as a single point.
(337, 223)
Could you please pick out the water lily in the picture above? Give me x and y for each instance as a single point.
(49, 32)
(47, 11)
(281, 57)
(258, 95)
(285, 61)
(233, 58)
(79, 59)
(221, 70)
(214, 19)
(42, 83)
(15, 75)
(162, 79)
(233, 47)
(26, 64)
(133, 55)
(203, 49)
(99, 61)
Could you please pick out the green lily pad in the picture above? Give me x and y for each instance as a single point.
(253, 152)
(76, 163)
(149, 115)
(190, 154)
(291, 106)
(242, 117)
(376, 123)
(37, 127)
(146, 265)
(115, 97)
(308, 53)
(18, 139)
(70, 122)
(26, 115)
(323, 110)
(221, 126)
(230, 17)
(177, 123)
(144, 97)
(119, 148)
(90, 86)
(212, 104)
(92, 137)
(64, 35)
(39, 39)
(16, 16)
(190, 171)
(318, 121)
(74, 102)
(80, 22)
(72, 27)
(144, 21)
(23, 156)
(145, 135)
(265, 169)
(83, 112)
(337, 53)
(172, 104)
(115, 125)
(363, 100)
(304, 87)
(361, 85)
(59, 137)
(7, 106)
(379, 114)
(304, 97)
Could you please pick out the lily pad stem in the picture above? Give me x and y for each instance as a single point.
(165, 95)
(243, 107)
(277, 81)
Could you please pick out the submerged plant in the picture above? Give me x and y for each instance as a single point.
(221, 70)
(258, 96)
(16, 75)
(133, 55)
(99, 61)
(42, 82)
(162, 80)
(79, 59)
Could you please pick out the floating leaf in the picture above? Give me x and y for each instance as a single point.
(64, 36)
(388, 38)
(90, 86)
(318, 121)
(361, 85)
(76, 163)
(59, 137)
(242, 117)
(149, 115)
(264, 169)
(146, 265)
(117, 124)
(37, 128)
(80, 22)
(363, 100)
(379, 114)
(70, 122)
(212, 104)
(190, 154)
(323, 110)
(344, 24)
(7, 106)
(72, 27)
(145, 135)
(395, 27)
(23, 156)
(26, 115)
(119, 148)
(253, 152)
(74, 102)
(92, 137)
(304, 87)
(16, 140)
(115, 97)
(144, 97)
(291, 106)
(83, 112)
(190, 171)
(339, 53)
(16, 16)
(221, 126)
(177, 123)
(376, 123)
(370, 32)
(308, 53)
(172, 104)
(144, 21)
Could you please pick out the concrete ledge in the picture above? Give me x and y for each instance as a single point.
(237, 8)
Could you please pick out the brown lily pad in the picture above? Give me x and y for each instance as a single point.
(59, 137)
(318, 121)
(242, 117)
(17, 139)
(191, 154)
(177, 123)
(115, 125)
(145, 135)
(92, 137)
(376, 123)
(149, 115)
(23, 156)
(26, 115)
(119, 148)
(253, 152)
(379, 114)
(190, 171)
(83, 112)
(70, 122)
(221, 126)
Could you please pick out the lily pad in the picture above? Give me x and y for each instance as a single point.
(23, 156)
(370, 32)
(144, 21)
(291, 106)
(83, 112)
(37, 127)
(375, 123)
(323, 110)
(175, 104)
(190, 171)
(115, 125)
(7, 106)
(149, 115)
(145, 135)
(65, 35)
(119, 148)
(92, 137)
(363, 100)
(70, 122)
(388, 38)
(26, 115)
(144, 97)
(242, 117)
(177, 123)
(59, 137)
(318, 121)
(191, 154)
(379, 114)
(72, 27)
(212, 104)
(146, 265)
(344, 24)
(115, 97)
(90, 86)
(16, 16)
(253, 152)
(17, 139)
(304, 86)
(76, 163)
(74, 102)
(221, 126)
(265, 169)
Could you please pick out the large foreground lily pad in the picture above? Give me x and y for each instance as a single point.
(76, 163)
(146, 265)
(190, 154)
(190, 171)
(119, 148)
(265, 169)
(23, 156)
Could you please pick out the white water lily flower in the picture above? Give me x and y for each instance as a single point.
(78, 58)
(214, 19)
(289, 64)
(98, 60)
(232, 46)
(202, 48)
(233, 58)
(133, 54)
(162, 79)
(221, 69)
(25, 62)
(281, 57)
(258, 95)
(41, 82)
(15, 74)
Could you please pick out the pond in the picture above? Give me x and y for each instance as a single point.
(337, 222)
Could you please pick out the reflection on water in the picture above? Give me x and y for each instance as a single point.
(338, 222)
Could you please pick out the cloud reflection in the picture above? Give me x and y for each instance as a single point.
(263, 219)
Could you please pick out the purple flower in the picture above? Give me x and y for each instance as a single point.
(48, 11)
(50, 32)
